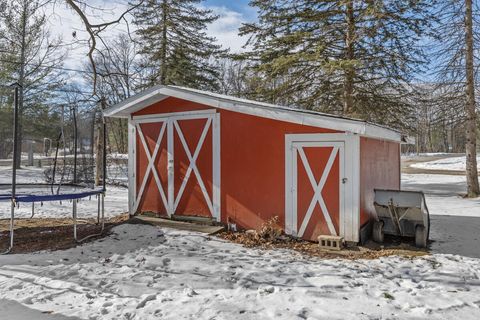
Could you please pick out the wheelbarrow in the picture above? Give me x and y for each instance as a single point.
(401, 213)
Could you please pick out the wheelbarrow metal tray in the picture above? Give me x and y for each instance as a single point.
(401, 211)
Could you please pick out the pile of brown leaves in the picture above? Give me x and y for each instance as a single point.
(271, 236)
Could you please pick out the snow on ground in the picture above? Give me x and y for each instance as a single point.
(116, 199)
(452, 163)
(142, 272)
(425, 154)
(443, 194)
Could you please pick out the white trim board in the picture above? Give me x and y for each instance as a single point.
(169, 124)
(155, 94)
(158, 116)
(152, 158)
(132, 165)
(349, 225)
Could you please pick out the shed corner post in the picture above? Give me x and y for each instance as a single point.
(353, 152)
(132, 165)
(216, 147)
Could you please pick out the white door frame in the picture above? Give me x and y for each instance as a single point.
(170, 121)
(349, 224)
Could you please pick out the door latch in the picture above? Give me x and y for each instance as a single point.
(344, 180)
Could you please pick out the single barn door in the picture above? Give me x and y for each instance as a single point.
(177, 164)
(150, 180)
(316, 185)
(194, 166)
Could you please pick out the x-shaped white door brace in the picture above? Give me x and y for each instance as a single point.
(317, 187)
(193, 166)
(151, 166)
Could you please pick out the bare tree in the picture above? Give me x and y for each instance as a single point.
(31, 56)
(457, 41)
(473, 189)
(118, 77)
(232, 77)
(95, 30)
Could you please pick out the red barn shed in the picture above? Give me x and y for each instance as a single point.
(204, 154)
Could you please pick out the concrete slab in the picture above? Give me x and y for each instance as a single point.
(180, 225)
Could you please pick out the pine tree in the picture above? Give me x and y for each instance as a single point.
(173, 39)
(349, 57)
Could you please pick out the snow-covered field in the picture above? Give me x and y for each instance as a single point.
(425, 154)
(443, 194)
(142, 272)
(453, 163)
(116, 199)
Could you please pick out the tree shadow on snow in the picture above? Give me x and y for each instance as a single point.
(455, 235)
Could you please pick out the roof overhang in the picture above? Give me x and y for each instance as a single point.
(155, 94)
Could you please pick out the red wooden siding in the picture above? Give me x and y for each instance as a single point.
(192, 201)
(171, 104)
(317, 158)
(252, 157)
(380, 169)
(252, 166)
(151, 200)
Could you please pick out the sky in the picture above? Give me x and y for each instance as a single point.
(63, 22)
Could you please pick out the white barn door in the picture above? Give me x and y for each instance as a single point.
(180, 161)
(320, 186)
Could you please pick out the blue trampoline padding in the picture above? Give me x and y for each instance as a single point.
(50, 197)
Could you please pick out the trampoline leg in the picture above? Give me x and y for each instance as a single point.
(100, 217)
(33, 210)
(99, 208)
(103, 210)
(12, 218)
(74, 213)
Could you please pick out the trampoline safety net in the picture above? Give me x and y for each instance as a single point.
(59, 146)
(53, 152)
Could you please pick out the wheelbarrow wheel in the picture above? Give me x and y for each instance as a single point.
(378, 231)
(420, 237)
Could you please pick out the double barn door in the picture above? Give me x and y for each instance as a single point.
(177, 161)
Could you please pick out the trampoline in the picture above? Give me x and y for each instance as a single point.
(67, 188)
(36, 192)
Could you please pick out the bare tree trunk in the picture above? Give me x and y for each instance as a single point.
(444, 129)
(21, 82)
(453, 138)
(473, 189)
(100, 147)
(349, 55)
(429, 138)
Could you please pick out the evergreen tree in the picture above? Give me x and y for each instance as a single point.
(352, 57)
(173, 39)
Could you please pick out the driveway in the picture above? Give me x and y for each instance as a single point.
(455, 221)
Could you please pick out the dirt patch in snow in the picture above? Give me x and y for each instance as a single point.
(37, 234)
(371, 250)
(270, 236)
